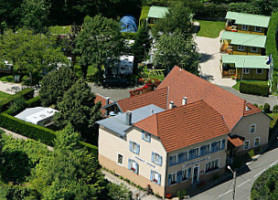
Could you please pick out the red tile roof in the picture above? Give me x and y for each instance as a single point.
(185, 125)
(184, 84)
(102, 99)
(157, 97)
(237, 142)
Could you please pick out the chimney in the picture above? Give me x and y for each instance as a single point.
(107, 100)
(128, 118)
(152, 111)
(246, 107)
(171, 104)
(184, 101)
(106, 103)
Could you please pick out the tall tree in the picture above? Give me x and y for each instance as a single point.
(55, 84)
(178, 18)
(99, 42)
(10, 13)
(174, 50)
(78, 108)
(30, 53)
(35, 15)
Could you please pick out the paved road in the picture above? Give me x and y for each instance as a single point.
(244, 182)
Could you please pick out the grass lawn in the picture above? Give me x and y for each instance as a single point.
(274, 116)
(210, 29)
(57, 30)
(3, 96)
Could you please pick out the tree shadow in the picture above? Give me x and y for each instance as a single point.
(16, 166)
(207, 77)
(205, 57)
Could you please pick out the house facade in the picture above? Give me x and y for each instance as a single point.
(179, 134)
(247, 23)
(245, 67)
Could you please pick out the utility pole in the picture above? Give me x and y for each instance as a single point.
(234, 180)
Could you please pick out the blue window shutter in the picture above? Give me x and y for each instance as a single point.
(129, 164)
(160, 160)
(171, 161)
(169, 179)
(151, 178)
(130, 145)
(143, 134)
(223, 144)
(153, 157)
(159, 179)
(138, 149)
(180, 157)
(136, 170)
(179, 176)
(190, 154)
(149, 138)
(189, 172)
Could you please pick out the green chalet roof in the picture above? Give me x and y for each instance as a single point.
(248, 19)
(157, 12)
(242, 61)
(244, 39)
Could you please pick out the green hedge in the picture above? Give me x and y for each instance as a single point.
(34, 102)
(256, 88)
(271, 47)
(27, 93)
(91, 148)
(27, 129)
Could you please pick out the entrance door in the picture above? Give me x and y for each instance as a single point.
(195, 177)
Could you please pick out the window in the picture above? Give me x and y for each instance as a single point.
(182, 157)
(146, 136)
(194, 153)
(155, 177)
(173, 160)
(252, 128)
(156, 158)
(134, 147)
(244, 27)
(215, 146)
(133, 166)
(204, 150)
(223, 144)
(245, 70)
(184, 175)
(259, 71)
(258, 29)
(240, 48)
(212, 165)
(246, 145)
(120, 159)
(172, 178)
(254, 49)
(257, 141)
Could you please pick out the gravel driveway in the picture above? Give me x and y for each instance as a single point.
(210, 62)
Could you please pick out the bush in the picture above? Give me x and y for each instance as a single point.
(256, 88)
(27, 93)
(27, 129)
(241, 7)
(251, 153)
(91, 148)
(211, 11)
(34, 102)
(17, 105)
(275, 109)
(266, 108)
(256, 105)
(9, 78)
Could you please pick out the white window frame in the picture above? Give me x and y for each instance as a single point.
(240, 48)
(175, 178)
(258, 72)
(245, 143)
(255, 141)
(118, 159)
(146, 136)
(184, 170)
(245, 70)
(256, 49)
(215, 160)
(198, 153)
(255, 127)
(245, 27)
(258, 30)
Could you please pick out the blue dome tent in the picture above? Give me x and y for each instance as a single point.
(128, 24)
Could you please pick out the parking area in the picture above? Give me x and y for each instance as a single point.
(210, 61)
(10, 88)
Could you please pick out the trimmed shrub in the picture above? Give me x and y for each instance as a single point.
(17, 105)
(27, 93)
(256, 105)
(275, 109)
(256, 88)
(27, 129)
(266, 108)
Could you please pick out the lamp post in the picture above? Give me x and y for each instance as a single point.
(234, 184)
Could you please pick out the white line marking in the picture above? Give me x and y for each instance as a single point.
(258, 174)
(243, 183)
(221, 195)
(272, 164)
